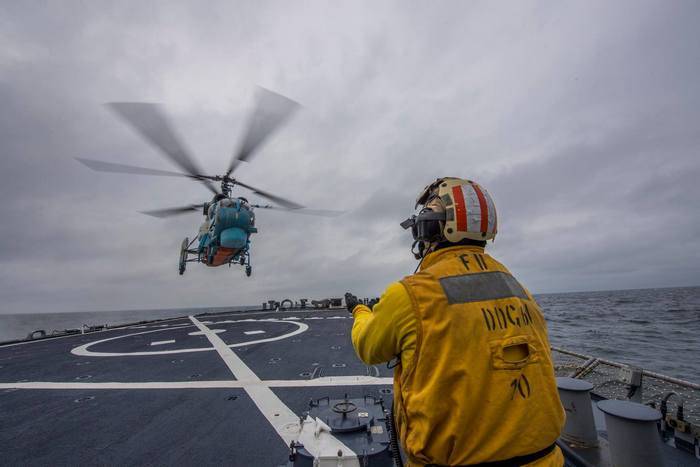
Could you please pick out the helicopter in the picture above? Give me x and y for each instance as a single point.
(224, 236)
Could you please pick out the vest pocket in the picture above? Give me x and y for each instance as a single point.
(513, 353)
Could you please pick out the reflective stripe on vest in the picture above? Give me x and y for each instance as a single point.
(481, 287)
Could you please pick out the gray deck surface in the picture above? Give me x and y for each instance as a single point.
(161, 394)
(87, 423)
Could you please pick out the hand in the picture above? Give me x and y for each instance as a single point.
(351, 301)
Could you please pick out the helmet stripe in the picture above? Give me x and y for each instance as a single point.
(460, 209)
(471, 201)
(493, 220)
(484, 208)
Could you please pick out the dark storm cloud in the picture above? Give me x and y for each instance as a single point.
(580, 118)
(631, 219)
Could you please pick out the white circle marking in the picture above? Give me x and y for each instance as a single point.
(83, 351)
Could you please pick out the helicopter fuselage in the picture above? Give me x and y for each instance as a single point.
(225, 234)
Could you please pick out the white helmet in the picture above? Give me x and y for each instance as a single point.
(453, 210)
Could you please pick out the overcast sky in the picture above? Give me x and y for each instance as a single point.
(580, 118)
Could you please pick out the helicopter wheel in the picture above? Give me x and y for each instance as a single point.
(183, 255)
(248, 270)
(242, 260)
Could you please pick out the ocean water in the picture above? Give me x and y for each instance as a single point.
(657, 329)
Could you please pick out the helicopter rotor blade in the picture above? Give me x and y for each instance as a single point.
(150, 122)
(271, 110)
(274, 198)
(101, 166)
(304, 211)
(168, 212)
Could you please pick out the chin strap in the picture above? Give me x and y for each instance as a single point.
(421, 248)
(418, 254)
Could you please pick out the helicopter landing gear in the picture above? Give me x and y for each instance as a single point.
(245, 261)
(183, 255)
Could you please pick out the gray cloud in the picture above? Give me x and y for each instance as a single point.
(579, 117)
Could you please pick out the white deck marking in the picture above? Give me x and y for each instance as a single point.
(200, 333)
(282, 418)
(292, 383)
(84, 352)
(268, 312)
(258, 331)
(135, 326)
(171, 341)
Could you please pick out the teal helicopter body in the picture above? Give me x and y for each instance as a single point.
(224, 237)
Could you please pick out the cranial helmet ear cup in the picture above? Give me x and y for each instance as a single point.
(427, 229)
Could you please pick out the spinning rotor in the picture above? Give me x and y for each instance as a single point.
(148, 119)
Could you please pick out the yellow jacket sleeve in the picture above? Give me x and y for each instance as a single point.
(388, 330)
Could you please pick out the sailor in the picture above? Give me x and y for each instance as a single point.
(474, 381)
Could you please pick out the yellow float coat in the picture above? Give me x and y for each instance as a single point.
(475, 381)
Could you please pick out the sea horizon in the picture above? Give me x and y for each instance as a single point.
(224, 307)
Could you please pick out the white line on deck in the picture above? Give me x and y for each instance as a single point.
(83, 350)
(229, 313)
(171, 341)
(200, 333)
(273, 312)
(328, 381)
(282, 418)
(258, 331)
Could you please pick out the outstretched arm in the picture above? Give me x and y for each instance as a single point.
(387, 330)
